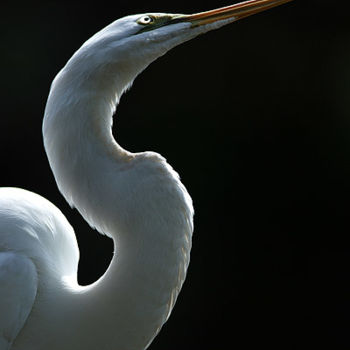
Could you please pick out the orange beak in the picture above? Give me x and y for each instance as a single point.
(237, 11)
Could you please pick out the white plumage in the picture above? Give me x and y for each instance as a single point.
(136, 199)
(38, 249)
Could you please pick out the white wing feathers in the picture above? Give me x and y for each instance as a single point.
(18, 287)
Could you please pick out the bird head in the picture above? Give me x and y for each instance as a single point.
(133, 42)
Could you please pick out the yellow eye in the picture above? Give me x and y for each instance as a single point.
(144, 20)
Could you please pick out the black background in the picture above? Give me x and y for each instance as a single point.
(255, 118)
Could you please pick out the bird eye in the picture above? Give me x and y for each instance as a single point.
(144, 20)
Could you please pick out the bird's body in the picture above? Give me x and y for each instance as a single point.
(38, 246)
(136, 199)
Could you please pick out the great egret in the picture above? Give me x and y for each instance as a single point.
(136, 199)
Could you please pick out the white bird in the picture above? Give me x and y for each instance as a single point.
(136, 199)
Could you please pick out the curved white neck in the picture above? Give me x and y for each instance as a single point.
(137, 199)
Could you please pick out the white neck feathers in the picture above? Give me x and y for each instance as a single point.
(137, 199)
